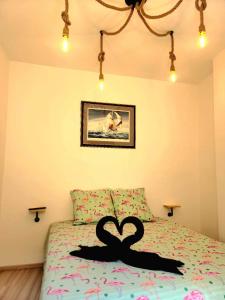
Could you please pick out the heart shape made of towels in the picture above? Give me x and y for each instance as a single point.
(110, 240)
(116, 249)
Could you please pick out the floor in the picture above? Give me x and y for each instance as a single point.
(21, 284)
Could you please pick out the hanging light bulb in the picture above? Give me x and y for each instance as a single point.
(172, 56)
(173, 75)
(202, 38)
(66, 31)
(202, 41)
(101, 82)
(65, 43)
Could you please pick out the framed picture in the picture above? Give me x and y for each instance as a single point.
(107, 125)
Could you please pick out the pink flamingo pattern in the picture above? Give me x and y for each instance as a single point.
(122, 270)
(58, 293)
(99, 205)
(92, 291)
(166, 278)
(55, 268)
(150, 286)
(72, 276)
(117, 284)
(68, 277)
(69, 257)
(194, 295)
(216, 275)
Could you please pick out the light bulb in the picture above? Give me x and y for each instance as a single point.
(65, 43)
(202, 40)
(173, 76)
(101, 83)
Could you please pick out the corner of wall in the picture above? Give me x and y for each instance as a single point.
(4, 76)
(219, 114)
(207, 160)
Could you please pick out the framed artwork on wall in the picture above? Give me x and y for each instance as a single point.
(107, 125)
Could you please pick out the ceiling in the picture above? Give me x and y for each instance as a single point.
(30, 31)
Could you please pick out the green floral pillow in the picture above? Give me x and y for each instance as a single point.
(91, 206)
(131, 202)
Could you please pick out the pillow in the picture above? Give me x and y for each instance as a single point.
(91, 206)
(131, 202)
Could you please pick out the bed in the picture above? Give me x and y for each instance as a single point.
(72, 278)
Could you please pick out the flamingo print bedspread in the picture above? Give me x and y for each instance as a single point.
(71, 278)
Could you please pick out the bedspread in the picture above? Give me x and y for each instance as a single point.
(72, 278)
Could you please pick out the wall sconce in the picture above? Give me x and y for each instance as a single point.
(171, 207)
(36, 211)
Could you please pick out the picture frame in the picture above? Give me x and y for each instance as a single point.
(108, 125)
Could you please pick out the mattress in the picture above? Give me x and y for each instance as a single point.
(72, 278)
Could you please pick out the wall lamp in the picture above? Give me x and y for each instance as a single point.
(36, 211)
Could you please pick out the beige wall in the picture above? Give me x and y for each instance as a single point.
(207, 165)
(219, 107)
(44, 159)
(3, 109)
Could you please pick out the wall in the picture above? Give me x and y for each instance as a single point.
(44, 160)
(3, 110)
(219, 107)
(207, 164)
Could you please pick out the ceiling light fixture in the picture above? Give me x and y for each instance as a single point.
(131, 5)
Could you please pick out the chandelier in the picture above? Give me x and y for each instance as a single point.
(139, 6)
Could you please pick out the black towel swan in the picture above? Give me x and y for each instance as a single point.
(145, 260)
(102, 253)
(117, 250)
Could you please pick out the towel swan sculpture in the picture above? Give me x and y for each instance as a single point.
(102, 253)
(120, 250)
(145, 260)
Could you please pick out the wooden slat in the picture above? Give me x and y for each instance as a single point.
(19, 267)
(20, 284)
(171, 205)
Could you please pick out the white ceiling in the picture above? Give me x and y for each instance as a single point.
(30, 31)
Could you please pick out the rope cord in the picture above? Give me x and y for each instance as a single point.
(150, 29)
(161, 15)
(101, 56)
(201, 7)
(66, 20)
(112, 6)
(66, 6)
(124, 25)
(172, 55)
